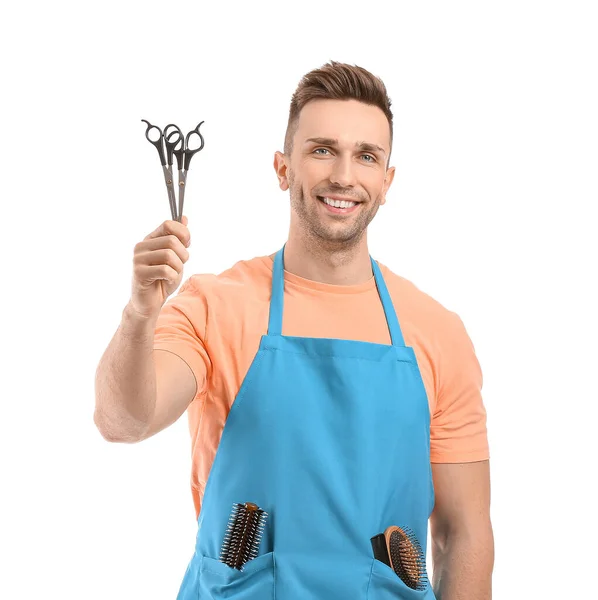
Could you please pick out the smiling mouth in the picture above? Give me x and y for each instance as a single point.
(337, 206)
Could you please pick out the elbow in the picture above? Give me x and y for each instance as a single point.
(473, 541)
(473, 532)
(118, 433)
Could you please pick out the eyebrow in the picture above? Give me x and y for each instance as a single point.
(366, 146)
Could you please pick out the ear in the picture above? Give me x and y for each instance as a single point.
(390, 175)
(280, 167)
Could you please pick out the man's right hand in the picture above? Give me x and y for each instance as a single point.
(158, 267)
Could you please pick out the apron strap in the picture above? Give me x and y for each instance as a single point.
(392, 320)
(277, 300)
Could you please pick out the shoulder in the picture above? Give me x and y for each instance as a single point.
(417, 305)
(436, 331)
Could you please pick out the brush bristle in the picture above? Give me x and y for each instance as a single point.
(243, 535)
(407, 558)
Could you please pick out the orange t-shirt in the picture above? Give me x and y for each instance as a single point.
(214, 323)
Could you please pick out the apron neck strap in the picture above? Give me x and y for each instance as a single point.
(277, 300)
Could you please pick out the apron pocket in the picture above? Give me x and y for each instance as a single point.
(385, 584)
(256, 582)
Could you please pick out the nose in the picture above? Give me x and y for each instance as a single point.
(342, 172)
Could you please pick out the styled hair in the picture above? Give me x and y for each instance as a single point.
(337, 81)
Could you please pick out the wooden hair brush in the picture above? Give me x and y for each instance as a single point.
(398, 548)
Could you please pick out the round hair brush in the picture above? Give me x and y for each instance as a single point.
(243, 535)
(406, 557)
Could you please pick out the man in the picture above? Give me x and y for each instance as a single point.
(319, 385)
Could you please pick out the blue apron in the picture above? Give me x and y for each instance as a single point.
(332, 439)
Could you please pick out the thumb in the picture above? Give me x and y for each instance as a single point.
(185, 220)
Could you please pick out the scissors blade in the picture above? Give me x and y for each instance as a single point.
(182, 186)
(170, 188)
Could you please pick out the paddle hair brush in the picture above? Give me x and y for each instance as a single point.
(406, 557)
(243, 535)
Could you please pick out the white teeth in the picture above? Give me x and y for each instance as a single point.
(339, 203)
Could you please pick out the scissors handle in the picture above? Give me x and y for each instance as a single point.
(157, 143)
(188, 152)
(179, 138)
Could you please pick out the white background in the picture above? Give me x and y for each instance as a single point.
(492, 212)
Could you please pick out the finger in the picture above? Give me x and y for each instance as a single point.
(150, 273)
(161, 257)
(171, 228)
(162, 243)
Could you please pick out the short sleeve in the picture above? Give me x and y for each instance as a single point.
(181, 329)
(458, 426)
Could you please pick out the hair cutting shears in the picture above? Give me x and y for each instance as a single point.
(183, 155)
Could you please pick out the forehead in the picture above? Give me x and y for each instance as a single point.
(349, 121)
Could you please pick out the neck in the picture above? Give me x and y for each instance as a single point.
(336, 264)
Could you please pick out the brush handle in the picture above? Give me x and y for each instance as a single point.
(380, 549)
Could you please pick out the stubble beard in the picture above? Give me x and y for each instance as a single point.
(327, 236)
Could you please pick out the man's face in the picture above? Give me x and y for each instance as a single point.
(340, 150)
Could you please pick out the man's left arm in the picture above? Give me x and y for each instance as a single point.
(462, 538)
(461, 531)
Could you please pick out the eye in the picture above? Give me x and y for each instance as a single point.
(321, 149)
(369, 156)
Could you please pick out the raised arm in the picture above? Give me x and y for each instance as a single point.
(139, 390)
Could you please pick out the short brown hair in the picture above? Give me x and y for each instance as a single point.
(337, 81)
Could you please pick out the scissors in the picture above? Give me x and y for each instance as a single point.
(183, 158)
